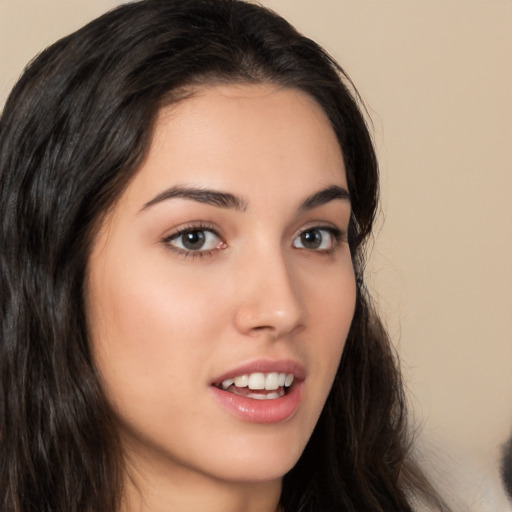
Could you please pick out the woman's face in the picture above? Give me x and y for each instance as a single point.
(224, 268)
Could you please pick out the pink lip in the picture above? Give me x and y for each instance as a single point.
(262, 411)
(265, 366)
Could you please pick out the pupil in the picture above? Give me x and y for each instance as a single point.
(193, 240)
(311, 239)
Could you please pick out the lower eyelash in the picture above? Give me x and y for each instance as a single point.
(195, 254)
(187, 253)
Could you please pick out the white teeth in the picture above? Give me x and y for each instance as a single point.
(257, 381)
(241, 381)
(226, 383)
(272, 381)
(289, 380)
(268, 396)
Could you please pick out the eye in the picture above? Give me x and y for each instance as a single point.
(195, 240)
(318, 239)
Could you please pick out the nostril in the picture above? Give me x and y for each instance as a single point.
(263, 328)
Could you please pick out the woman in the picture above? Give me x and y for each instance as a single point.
(186, 189)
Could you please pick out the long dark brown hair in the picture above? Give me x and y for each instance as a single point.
(73, 132)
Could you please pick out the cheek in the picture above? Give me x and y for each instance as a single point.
(140, 322)
(331, 306)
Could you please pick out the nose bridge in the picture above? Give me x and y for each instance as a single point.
(269, 299)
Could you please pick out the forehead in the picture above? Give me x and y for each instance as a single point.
(246, 138)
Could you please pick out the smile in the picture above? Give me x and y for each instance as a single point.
(261, 391)
(268, 386)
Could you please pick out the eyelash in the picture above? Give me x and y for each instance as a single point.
(338, 237)
(193, 228)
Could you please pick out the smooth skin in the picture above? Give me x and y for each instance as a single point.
(180, 291)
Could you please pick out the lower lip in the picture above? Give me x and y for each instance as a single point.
(261, 411)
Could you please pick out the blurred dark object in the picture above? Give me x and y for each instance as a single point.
(506, 467)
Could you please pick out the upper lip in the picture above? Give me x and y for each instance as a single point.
(265, 366)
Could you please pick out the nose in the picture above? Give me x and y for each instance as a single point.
(268, 298)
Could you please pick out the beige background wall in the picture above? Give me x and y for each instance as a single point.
(437, 78)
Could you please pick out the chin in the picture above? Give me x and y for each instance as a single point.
(262, 460)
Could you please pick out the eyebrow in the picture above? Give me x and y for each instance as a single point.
(200, 195)
(227, 200)
(325, 196)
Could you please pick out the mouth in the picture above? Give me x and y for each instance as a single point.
(261, 391)
(258, 386)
